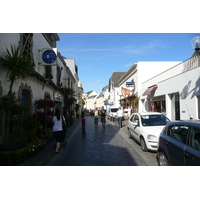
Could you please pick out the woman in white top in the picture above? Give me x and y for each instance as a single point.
(58, 129)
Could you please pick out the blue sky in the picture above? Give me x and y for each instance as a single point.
(99, 54)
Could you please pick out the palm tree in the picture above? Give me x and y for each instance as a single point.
(69, 97)
(17, 63)
(18, 66)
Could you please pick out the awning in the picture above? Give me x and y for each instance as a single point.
(150, 89)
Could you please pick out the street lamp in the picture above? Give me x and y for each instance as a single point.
(196, 43)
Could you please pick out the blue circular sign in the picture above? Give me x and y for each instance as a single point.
(49, 56)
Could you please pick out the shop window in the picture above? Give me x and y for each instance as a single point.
(158, 105)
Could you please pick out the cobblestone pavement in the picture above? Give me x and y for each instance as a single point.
(43, 157)
(109, 146)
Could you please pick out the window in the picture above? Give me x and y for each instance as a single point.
(26, 102)
(154, 120)
(51, 38)
(48, 72)
(25, 97)
(58, 75)
(195, 138)
(114, 109)
(131, 119)
(178, 132)
(136, 119)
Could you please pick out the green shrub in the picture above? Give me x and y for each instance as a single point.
(20, 154)
(13, 157)
(6, 157)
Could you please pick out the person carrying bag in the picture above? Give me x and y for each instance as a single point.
(57, 129)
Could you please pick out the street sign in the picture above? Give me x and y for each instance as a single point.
(49, 56)
(106, 104)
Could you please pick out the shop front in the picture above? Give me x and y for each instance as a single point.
(157, 104)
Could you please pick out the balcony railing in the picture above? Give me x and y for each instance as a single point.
(191, 63)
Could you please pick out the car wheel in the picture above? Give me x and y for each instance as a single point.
(162, 160)
(143, 144)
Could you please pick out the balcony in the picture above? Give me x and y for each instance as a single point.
(191, 63)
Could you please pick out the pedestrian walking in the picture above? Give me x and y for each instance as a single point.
(82, 113)
(96, 116)
(83, 125)
(103, 116)
(66, 115)
(58, 123)
(119, 115)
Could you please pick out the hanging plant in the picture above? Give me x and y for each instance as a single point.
(45, 103)
(135, 102)
(50, 103)
(40, 103)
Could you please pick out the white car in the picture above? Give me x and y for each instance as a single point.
(145, 128)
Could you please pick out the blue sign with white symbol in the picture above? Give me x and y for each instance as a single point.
(49, 56)
(130, 83)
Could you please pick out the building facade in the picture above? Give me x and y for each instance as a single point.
(48, 79)
(130, 84)
(175, 92)
(90, 100)
(114, 89)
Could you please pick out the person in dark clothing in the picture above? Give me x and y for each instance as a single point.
(83, 125)
(103, 116)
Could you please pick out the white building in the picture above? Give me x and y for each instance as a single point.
(90, 100)
(130, 84)
(175, 92)
(71, 64)
(105, 93)
(100, 100)
(74, 70)
(49, 78)
(114, 90)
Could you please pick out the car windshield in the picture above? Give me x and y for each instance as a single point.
(114, 109)
(154, 120)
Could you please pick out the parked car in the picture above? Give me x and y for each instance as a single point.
(179, 144)
(145, 129)
(112, 112)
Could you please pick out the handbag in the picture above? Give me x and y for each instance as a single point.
(64, 126)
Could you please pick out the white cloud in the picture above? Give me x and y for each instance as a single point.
(94, 84)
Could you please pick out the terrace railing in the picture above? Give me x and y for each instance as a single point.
(191, 63)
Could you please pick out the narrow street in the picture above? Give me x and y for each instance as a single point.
(109, 146)
(101, 146)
